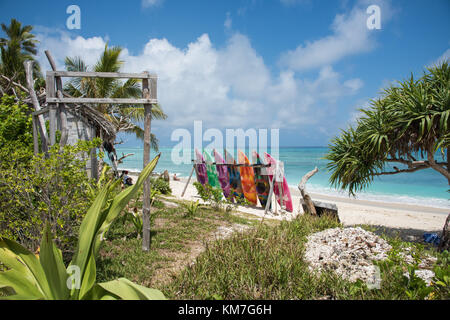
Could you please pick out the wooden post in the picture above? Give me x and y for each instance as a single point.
(35, 136)
(52, 124)
(50, 91)
(146, 195)
(94, 162)
(62, 108)
(189, 180)
(269, 197)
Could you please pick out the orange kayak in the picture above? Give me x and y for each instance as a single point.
(247, 179)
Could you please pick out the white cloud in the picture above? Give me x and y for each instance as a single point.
(151, 3)
(350, 36)
(225, 87)
(61, 45)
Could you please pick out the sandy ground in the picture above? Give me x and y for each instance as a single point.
(411, 220)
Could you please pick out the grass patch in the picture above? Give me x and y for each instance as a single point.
(267, 263)
(175, 242)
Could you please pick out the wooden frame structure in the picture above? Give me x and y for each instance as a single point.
(55, 98)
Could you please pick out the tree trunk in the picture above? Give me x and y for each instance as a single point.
(444, 244)
(146, 194)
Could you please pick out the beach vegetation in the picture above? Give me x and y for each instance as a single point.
(192, 208)
(405, 130)
(189, 261)
(46, 276)
(161, 185)
(53, 189)
(18, 45)
(214, 197)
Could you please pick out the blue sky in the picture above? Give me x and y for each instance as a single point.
(302, 66)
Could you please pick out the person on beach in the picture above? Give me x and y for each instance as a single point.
(128, 182)
(175, 178)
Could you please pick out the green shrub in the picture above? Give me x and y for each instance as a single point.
(54, 189)
(191, 208)
(15, 125)
(161, 185)
(214, 197)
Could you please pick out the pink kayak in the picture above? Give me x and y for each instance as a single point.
(222, 171)
(200, 167)
(287, 200)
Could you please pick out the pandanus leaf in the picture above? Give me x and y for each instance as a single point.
(25, 274)
(52, 262)
(127, 290)
(96, 223)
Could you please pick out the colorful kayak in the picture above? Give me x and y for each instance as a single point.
(284, 187)
(247, 179)
(236, 191)
(261, 180)
(200, 168)
(222, 171)
(213, 179)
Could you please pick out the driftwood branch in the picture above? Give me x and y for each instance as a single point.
(41, 123)
(124, 156)
(14, 83)
(401, 171)
(301, 186)
(62, 107)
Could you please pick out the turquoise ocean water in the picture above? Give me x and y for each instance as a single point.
(425, 187)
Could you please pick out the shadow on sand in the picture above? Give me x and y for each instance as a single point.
(405, 234)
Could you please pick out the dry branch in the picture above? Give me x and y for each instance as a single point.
(301, 186)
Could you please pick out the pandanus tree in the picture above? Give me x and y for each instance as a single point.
(124, 117)
(18, 46)
(407, 126)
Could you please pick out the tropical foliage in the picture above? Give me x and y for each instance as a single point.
(46, 276)
(18, 46)
(52, 189)
(124, 117)
(407, 126)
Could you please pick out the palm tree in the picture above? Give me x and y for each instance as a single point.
(18, 46)
(122, 116)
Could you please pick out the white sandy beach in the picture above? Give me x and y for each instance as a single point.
(400, 217)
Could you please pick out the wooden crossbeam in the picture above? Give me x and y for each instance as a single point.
(235, 165)
(119, 75)
(102, 100)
